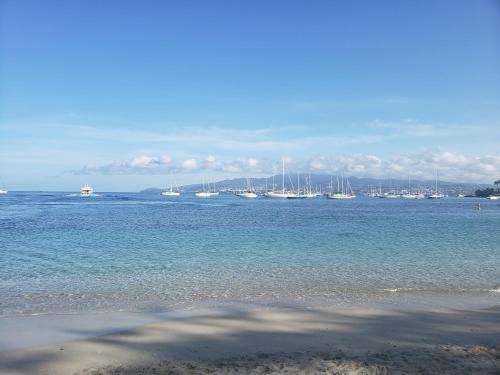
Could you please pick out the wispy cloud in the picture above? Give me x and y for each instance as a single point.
(255, 139)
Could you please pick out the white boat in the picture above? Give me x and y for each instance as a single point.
(413, 196)
(373, 192)
(298, 194)
(203, 194)
(389, 195)
(409, 196)
(436, 194)
(3, 190)
(309, 193)
(340, 196)
(171, 192)
(278, 194)
(248, 193)
(494, 197)
(86, 191)
(283, 194)
(206, 193)
(341, 192)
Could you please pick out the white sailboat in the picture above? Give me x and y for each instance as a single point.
(86, 191)
(3, 190)
(206, 193)
(249, 192)
(373, 192)
(390, 195)
(436, 194)
(341, 192)
(299, 194)
(171, 192)
(283, 194)
(409, 194)
(309, 192)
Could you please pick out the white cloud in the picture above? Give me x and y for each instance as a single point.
(166, 159)
(252, 163)
(190, 164)
(450, 166)
(144, 162)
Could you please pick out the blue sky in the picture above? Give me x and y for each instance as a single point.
(118, 94)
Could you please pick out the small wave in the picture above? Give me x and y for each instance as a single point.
(495, 289)
(395, 290)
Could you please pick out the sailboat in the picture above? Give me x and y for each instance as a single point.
(341, 192)
(86, 191)
(297, 195)
(206, 193)
(309, 192)
(3, 190)
(436, 194)
(248, 193)
(283, 194)
(171, 192)
(409, 194)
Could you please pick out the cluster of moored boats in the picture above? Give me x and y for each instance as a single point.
(342, 191)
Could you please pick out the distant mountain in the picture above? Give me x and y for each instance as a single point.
(322, 182)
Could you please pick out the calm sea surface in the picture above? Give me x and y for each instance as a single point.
(62, 253)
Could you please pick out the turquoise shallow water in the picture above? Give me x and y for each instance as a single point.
(60, 252)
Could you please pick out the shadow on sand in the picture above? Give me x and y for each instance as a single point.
(281, 341)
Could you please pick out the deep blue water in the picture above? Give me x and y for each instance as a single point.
(60, 252)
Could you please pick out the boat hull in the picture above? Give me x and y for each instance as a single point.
(247, 195)
(205, 194)
(340, 196)
(276, 195)
(170, 193)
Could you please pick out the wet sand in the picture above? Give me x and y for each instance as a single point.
(254, 340)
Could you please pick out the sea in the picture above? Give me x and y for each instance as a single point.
(61, 253)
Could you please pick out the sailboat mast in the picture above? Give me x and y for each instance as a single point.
(283, 176)
(436, 182)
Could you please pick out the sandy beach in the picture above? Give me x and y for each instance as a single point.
(258, 340)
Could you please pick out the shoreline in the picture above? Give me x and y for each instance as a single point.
(24, 331)
(246, 338)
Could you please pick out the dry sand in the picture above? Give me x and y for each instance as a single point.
(253, 341)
